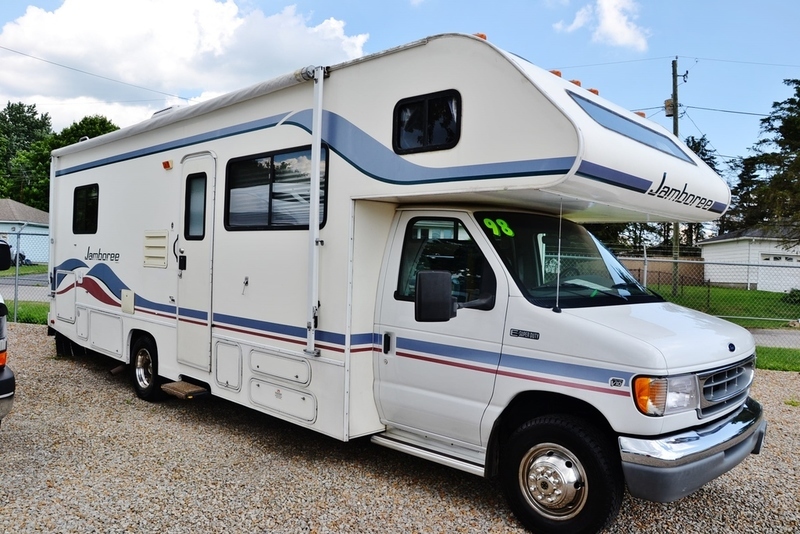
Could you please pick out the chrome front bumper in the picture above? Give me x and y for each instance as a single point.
(667, 468)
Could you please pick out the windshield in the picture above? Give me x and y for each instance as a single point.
(559, 263)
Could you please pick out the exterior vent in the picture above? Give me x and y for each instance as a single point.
(156, 248)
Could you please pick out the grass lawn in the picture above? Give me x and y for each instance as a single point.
(778, 359)
(29, 312)
(24, 269)
(751, 309)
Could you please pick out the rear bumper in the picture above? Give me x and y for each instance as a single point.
(7, 387)
(667, 468)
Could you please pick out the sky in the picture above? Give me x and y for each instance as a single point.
(125, 59)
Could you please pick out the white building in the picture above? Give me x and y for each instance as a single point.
(26, 228)
(752, 258)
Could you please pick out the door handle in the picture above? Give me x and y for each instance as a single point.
(387, 343)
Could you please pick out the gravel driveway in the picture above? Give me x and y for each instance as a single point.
(81, 453)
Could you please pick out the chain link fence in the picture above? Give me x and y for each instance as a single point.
(26, 285)
(762, 297)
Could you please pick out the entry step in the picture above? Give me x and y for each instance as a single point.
(184, 390)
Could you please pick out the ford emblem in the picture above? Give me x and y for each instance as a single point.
(731, 347)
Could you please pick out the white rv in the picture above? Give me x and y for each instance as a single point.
(388, 247)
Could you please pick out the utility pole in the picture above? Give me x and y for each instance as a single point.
(676, 226)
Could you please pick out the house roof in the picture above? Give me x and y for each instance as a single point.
(773, 233)
(13, 211)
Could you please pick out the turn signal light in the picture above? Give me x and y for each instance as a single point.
(651, 394)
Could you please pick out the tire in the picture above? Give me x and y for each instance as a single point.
(560, 476)
(144, 369)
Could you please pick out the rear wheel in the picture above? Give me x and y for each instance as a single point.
(144, 369)
(560, 476)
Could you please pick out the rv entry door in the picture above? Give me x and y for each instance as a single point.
(194, 250)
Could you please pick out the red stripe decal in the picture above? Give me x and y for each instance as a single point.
(512, 374)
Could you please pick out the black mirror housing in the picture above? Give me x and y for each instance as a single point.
(433, 300)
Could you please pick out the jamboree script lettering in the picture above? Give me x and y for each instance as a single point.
(101, 256)
(681, 196)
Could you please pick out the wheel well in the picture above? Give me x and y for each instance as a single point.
(134, 336)
(531, 404)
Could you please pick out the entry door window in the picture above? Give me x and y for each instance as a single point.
(195, 224)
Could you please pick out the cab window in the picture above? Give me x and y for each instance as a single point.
(438, 244)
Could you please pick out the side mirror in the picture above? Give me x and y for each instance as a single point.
(433, 300)
(5, 256)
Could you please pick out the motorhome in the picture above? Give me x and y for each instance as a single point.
(391, 247)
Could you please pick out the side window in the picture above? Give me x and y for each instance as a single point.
(195, 224)
(85, 204)
(427, 122)
(433, 244)
(272, 191)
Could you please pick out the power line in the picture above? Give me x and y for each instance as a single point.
(759, 63)
(91, 73)
(615, 62)
(728, 111)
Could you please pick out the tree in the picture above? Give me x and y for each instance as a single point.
(32, 166)
(747, 207)
(694, 232)
(777, 156)
(20, 127)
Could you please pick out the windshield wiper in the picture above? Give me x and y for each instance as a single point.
(628, 285)
(594, 290)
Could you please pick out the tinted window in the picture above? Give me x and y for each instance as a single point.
(427, 122)
(270, 191)
(84, 209)
(628, 128)
(445, 245)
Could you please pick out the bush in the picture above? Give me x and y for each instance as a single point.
(792, 297)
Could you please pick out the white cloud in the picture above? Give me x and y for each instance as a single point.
(193, 48)
(612, 23)
(616, 26)
(582, 18)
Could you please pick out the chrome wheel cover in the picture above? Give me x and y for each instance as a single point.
(143, 369)
(553, 481)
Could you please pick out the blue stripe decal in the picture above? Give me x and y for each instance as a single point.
(254, 324)
(360, 150)
(67, 265)
(449, 351)
(718, 207)
(516, 363)
(230, 131)
(333, 338)
(566, 370)
(381, 163)
(609, 176)
(194, 314)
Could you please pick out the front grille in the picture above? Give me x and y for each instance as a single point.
(725, 387)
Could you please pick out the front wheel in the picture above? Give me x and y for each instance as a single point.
(144, 369)
(560, 476)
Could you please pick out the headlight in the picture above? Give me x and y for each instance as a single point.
(665, 396)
